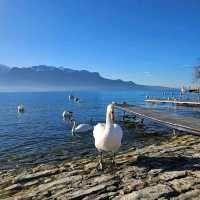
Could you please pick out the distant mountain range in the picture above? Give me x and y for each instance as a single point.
(44, 77)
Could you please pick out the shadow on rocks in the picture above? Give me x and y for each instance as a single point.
(168, 163)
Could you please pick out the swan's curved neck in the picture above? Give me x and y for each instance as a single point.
(108, 120)
(74, 126)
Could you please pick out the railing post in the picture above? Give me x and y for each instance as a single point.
(123, 118)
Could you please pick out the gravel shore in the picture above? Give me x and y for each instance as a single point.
(168, 170)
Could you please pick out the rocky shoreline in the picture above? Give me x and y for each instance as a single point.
(168, 170)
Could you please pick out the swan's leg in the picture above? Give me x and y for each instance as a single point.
(113, 159)
(100, 164)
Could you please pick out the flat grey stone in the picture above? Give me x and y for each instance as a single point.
(190, 195)
(166, 176)
(148, 193)
(183, 184)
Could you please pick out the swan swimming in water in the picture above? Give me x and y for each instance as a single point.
(108, 135)
(67, 115)
(71, 97)
(77, 100)
(20, 108)
(81, 128)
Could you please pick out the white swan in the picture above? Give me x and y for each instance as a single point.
(67, 115)
(20, 108)
(108, 135)
(76, 99)
(71, 97)
(81, 128)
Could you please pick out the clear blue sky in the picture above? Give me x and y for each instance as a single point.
(147, 41)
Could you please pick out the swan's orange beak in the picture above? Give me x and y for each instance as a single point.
(112, 116)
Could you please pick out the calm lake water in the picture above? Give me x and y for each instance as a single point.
(40, 135)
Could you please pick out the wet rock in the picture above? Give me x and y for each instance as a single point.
(24, 178)
(65, 181)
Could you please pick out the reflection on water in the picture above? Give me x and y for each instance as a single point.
(40, 134)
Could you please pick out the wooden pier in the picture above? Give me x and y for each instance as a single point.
(174, 101)
(186, 124)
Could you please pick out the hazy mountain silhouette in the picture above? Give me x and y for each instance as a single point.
(57, 78)
(4, 68)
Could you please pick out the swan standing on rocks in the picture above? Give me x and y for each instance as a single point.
(20, 108)
(67, 115)
(81, 128)
(108, 135)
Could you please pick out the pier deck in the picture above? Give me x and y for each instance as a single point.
(187, 124)
(174, 101)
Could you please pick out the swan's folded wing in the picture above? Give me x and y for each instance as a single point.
(83, 128)
(118, 130)
(98, 129)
